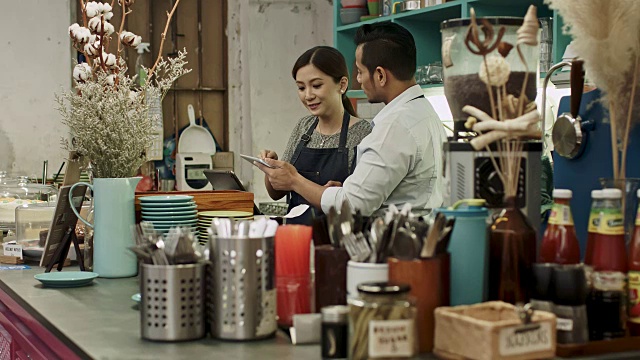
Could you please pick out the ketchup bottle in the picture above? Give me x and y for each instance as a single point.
(596, 204)
(634, 279)
(559, 243)
(609, 248)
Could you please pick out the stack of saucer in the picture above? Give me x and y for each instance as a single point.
(205, 218)
(168, 211)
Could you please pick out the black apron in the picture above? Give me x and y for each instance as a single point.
(320, 166)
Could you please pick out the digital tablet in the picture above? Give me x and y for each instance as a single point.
(224, 180)
(251, 159)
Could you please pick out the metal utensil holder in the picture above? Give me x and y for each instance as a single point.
(172, 307)
(241, 288)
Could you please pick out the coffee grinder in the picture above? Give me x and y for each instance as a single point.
(469, 173)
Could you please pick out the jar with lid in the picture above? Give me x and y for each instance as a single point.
(609, 248)
(382, 322)
(335, 332)
(607, 306)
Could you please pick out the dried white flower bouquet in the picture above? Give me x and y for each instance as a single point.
(107, 113)
(606, 34)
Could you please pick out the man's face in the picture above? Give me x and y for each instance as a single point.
(365, 79)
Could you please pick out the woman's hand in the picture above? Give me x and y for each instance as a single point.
(282, 176)
(268, 154)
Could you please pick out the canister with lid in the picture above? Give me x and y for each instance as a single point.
(335, 332)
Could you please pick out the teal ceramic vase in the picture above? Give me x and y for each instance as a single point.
(114, 218)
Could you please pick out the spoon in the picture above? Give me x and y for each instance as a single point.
(296, 211)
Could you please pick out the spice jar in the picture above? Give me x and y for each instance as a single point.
(382, 322)
(335, 331)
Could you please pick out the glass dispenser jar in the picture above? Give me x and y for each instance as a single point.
(463, 69)
(382, 322)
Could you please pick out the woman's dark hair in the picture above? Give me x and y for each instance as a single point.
(331, 62)
(389, 46)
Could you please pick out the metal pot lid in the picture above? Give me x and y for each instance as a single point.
(567, 136)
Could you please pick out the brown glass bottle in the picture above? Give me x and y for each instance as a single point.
(512, 252)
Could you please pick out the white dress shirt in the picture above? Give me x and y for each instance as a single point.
(399, 162)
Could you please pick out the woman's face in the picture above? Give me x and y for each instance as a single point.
(319, 92)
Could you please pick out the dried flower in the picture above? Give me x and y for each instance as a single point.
(130, 39)
(498, 71)
(81, 72)
(108, 112)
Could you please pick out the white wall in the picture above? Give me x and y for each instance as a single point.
(34, 65)
(276, 32)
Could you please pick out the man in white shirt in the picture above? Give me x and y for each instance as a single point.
(401, 160)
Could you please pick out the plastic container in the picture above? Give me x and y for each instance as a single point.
(462, 85)
(469, 252)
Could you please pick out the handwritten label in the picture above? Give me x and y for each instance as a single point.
(514, 342)
(564, 324)
(12, 250)
(391, 338)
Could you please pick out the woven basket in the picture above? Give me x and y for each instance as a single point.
(492, 331)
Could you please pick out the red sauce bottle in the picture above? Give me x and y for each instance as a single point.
(609, 248)
(560, 244)
(634, 279)
(596, 204)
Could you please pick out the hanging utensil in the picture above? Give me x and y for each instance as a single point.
(430, 243)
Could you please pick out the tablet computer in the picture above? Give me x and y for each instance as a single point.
(224, 180)
(251, 159)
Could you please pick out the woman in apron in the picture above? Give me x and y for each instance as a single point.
(322, 145)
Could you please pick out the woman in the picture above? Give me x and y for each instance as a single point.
(322, 145)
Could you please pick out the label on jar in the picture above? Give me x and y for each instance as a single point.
(391, 338)
(638, 217)
(634, 296)
(561, 215)
(594, 220)
(564, 324)
(611, 222)
(518, 340)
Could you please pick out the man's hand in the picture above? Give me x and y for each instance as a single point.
(268, 154)
(282, 177)
(332, 183)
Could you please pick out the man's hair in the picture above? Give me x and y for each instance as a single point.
(389, 46)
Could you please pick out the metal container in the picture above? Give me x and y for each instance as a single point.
(242, 292)
(172, 306)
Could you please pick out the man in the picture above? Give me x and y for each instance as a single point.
(401, 160)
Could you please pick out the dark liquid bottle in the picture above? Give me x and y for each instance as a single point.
(560, 244)
(512, 252)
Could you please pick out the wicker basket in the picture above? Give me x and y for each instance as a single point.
(492, 331)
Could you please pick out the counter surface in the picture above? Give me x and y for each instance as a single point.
(102, 322)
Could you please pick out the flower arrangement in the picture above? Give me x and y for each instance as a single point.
(107, 113)
(606, 34)
(514, 117)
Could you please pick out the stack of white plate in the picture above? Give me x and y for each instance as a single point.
(168, 211)
(205, 218)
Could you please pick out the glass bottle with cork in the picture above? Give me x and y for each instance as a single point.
(560, 244)
(634, 279)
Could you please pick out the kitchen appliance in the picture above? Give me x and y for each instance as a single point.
(196, 146)
(470, 174)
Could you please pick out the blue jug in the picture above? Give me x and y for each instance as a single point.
(469, 251)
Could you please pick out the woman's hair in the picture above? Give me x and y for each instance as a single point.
(331, 62)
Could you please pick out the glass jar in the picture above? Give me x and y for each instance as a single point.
(609, 249)
(559, 243)
(382, 322)
(607, 306)
(335, 332)
(462, 83)
(31, 221)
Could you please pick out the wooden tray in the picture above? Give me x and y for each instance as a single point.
(209, 200)
(630, 343)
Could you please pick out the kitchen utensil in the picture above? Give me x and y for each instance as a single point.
(445, 237)
(296, 211)
(333, 224)
(430, 243)
(567, 134)
(405, 245)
